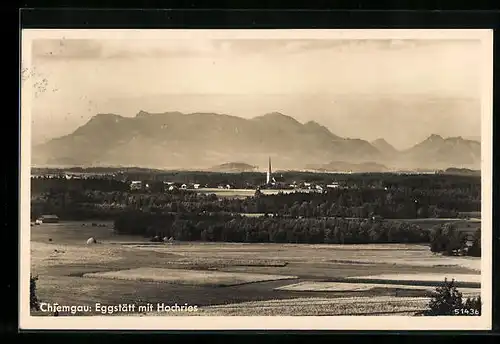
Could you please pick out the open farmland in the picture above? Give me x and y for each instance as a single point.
(462, 225)
(339, 286)
(316, 306)
(220, 277)
(242, 193)
(188, 277)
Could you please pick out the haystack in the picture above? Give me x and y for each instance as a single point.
(172, 241)
(91, 240)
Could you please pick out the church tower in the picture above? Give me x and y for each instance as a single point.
(268, 179)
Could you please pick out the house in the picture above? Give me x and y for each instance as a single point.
(136, 185)
(48, 219)
(333, 185)
(196, 186)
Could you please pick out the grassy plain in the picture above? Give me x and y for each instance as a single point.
(463, 225)
(317, 306)
(60, 257)
(188, 277)
(352, 286)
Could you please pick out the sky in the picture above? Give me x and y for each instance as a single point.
(401, 90)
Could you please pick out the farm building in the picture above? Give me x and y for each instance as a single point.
(48, 219)
(136, 185)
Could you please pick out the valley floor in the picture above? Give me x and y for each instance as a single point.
(238, 279)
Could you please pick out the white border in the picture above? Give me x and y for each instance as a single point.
(483, 322)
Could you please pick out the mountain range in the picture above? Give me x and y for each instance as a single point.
(200, 140)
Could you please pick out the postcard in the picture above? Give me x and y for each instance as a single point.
(256, 179)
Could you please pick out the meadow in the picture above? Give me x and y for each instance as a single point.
(243, 193)
(462, 225)
(238, 278)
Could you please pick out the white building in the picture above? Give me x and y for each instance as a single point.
(136, 185)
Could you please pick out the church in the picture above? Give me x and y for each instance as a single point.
(269, 173)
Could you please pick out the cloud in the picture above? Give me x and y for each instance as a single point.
(158, 48)
(123, 48)
(67, 48)
(300, 46)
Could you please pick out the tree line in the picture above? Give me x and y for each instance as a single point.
(448, 240)
(253, 179)
(234, 228)
(364, 203)
(341, 215)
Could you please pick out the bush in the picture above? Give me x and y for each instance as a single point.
(447, 300)
(447, 240)
(34, 303)
(475, 249)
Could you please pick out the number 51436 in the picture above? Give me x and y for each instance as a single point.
(466, 311)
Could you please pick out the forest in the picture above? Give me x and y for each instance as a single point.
(394, 203)
(350, 213)
(235, 228)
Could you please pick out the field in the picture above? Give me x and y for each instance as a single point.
(339, 286)
(239, 279)
(316, 306)
(188, 277)
(463, 225)
(242, 193)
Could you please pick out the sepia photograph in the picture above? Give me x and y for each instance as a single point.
(256, 179)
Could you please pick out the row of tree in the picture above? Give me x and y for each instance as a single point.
(230, 228)
(62, 184)
(335, 203)
(448, 240)
(256, 178)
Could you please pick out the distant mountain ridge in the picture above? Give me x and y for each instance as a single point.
(341, 166)
(449, 152)
(204, 140)
(384, 147)
(233, 167)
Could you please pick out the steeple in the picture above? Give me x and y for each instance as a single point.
(268, 179)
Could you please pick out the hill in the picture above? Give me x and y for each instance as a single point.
(443, 153)
(173, 140)
(198, 140)
(462, 172)
(384, 147)
(342, 166)
(233, 167)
